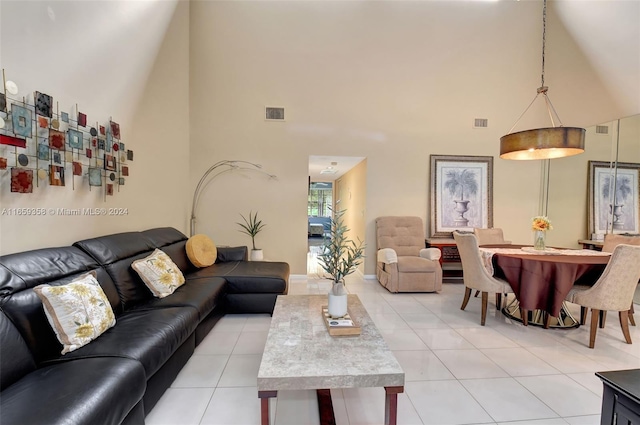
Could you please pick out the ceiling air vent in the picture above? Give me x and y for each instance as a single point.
(274, 113)
(602, 129)
(480, 123)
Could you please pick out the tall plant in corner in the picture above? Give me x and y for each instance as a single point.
(340, 256)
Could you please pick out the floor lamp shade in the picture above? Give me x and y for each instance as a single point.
(543, 143)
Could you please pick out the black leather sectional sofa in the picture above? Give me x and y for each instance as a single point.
(118, 377)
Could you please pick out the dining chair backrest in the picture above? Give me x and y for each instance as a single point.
(615, 288)
(492, 236)
(474, 273)
(611, 241)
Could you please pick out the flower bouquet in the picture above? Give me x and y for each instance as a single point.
(540, 225)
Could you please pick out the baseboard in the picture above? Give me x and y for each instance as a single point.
(370, 277)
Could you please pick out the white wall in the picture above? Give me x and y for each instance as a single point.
(392, 81)
(122, 59)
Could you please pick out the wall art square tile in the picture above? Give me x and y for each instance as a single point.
(121, 181)
(57, 158)
(103, 130)
(77, 168)
(3, 163)
(43, 151)
(21, 180)
(95, 177)
(64, 117)
(101, 144)
(56, 139)
(109, 142)
(124, 171)
(109, 162)
(56, 175)
(130, 155)
(89, 153)
(12, 141)
(44, 104)
(75, 139)
(21, 118)
(3, 103)
(115, 129)
(43, 122)
(82, 119)
(109, 189)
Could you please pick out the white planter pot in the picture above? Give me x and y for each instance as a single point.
(256, 255)
(337, 305)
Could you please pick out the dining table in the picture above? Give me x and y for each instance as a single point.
(541, 279)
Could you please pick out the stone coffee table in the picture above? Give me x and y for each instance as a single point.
(301, 355)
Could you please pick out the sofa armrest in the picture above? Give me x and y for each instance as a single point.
(430, 253)
(232, 253)
(387, 256)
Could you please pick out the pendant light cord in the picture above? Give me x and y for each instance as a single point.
(542, 89)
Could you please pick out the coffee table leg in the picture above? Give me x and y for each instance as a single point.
(264, 397)
(391, 404)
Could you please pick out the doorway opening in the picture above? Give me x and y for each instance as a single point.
(335, 183)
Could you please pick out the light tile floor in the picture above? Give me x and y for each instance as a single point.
(457, 372)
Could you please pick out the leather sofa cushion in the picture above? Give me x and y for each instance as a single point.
(111, 248)
(258, 277)
(249, 276)
(16, 359)
(202, 294)
(149, 336)
(416, 265)
(80, 392)
(173, 242)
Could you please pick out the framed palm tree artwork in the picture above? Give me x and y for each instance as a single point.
(461, 193)
(614, 201)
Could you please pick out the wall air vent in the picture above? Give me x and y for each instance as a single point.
(480, 123)
(602, 129)
(274, 113)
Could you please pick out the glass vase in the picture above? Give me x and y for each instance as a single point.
(540, 240)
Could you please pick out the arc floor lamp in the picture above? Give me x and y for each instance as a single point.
(222, 167)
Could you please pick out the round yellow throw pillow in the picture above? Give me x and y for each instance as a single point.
(201, 250)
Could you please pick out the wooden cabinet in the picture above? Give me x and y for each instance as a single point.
(450, 258)
(621, 397)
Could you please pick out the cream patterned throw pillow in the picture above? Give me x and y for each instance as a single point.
(159, 273)
(78, 312)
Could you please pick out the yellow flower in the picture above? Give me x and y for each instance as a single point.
(166, 278)
(81, 290)
(84, 331)
(541, 223)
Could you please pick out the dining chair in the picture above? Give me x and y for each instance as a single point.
(476, 276)
(493, 236)
(613, 291)
(610, 242)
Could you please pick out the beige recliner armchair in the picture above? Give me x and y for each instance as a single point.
(404, 264)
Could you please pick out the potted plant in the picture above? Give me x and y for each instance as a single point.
(252, 227)
(340, 257)
(457, 182)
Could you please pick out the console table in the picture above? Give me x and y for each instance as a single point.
(591, 244)
(450, 258)
(621, 397)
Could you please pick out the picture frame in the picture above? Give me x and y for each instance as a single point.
(461, 195)
(614, 209)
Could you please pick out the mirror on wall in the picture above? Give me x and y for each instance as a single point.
(571, 191)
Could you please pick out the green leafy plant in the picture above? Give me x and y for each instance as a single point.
(340, 256)
(251, 227)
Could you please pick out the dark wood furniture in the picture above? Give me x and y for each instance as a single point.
(450, 258)
(591, 244)
(620, 397)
